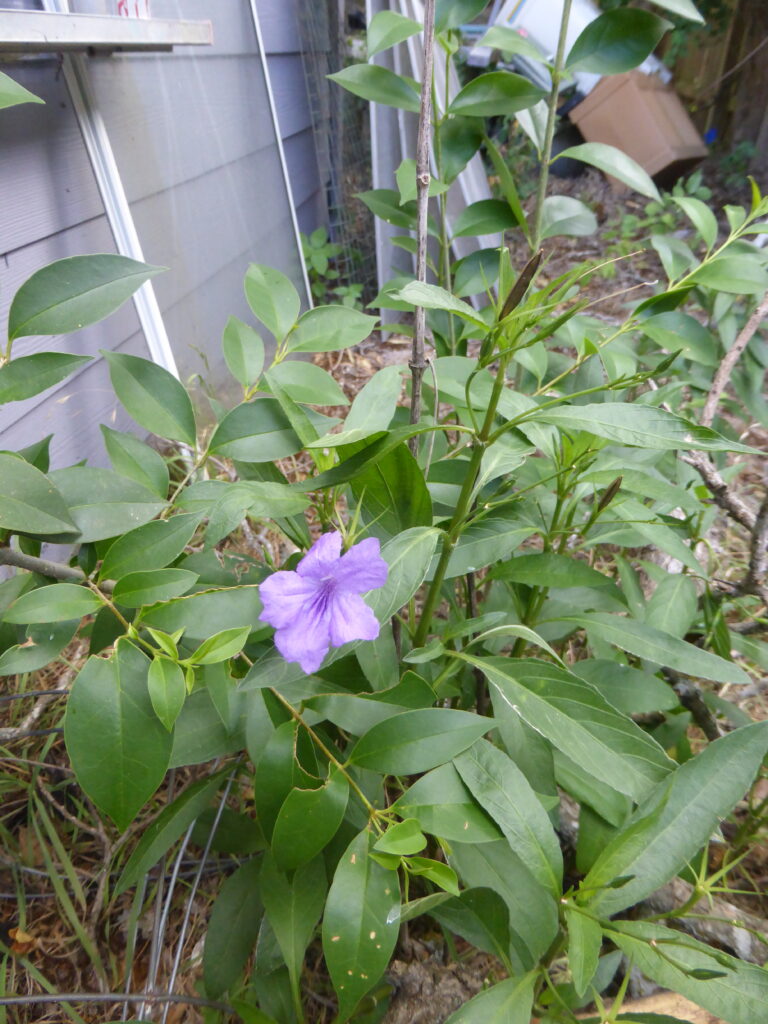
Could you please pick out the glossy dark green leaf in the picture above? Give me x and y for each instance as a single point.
(11, 93)
(57, 602)
(741, 997)
(243, 351)
(104, 504)
(30, 503)
(496, 93)
(378, 85)
(201, 615)
(256, 431)
(221, 646)
(360, 924)
(416, 741)
(133, 458)
(444, 807)
(507, 1002)
(118, 747)
(579, 722)
(293, 908)
(170, 825)
(75, 292)
(616, 41)
(233, 928)
(392, 495)
(678, 819)
(385, 203)
(273, 299)
(167, 690)
(44, 641)
(484, 217)
(388, 29)
(153, 396)
(151, 546)
(503, 791)
(29, 375)
(452, 13)
(460, 139)
(307, 821)
(612, 161)
(135, 589)
(479, 916)
(278, 772)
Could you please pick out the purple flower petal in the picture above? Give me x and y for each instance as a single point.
(299, 644)
(350, 618)
(284, 596)
(362, 568)
(322, 558)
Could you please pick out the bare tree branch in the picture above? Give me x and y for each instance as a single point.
(726, 367)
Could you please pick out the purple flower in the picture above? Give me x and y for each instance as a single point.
(319, 605)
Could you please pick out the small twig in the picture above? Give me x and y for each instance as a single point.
(423, 178)
(690, 697)
(758, 555)
(726, 367)
(44, 567)
(722, 495)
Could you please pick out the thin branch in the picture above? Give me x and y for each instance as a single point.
(755, 581)
(423, 178)
(726, 367)
(691, 698)
(722, 495)
(44, 567)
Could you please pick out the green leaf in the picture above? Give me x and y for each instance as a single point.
(415, 741)
(550, 570)
(678, 819)
(700, 216)
(378, 85)
(360, 924)
(684, 8)
(562, 215)
(444, 807)
(452, 13)
(641, 425)
(674, 605)
(221, 646)
(29, 375)
(579, 722)
(139, 588)
(201, 615)
(308, 821)
(431, 296)
(133, 458)
(476, 273)
(243, 351)
(479, 916)
(273, 299)
(103, 503)
(496, 93)
(372, 409)
(388, 29)
(43, 643)
(508, 40)
(676, 257)
(307, 383)
(118, 747)
(392, 495)
(167, 690)
(151, 546)
(627, 689)
(172, 822)
(612, 161)
(737, 274)
(408, 556)
(741, 997)
(675, 330)
(503, 791)
(484, 217)
(11, 93)
(507, 1002)
(29, 502)
(152, 396)
(405, 176)
(484, 542)
(402, 839)
(585, 939)
(58, 602)
(293, 908)
(330, 328)
(75, 292)
(652, 644)
(257, 431)
(460, 138)
(385, 203)
(436, 871)
(616, 41)
(233, 928)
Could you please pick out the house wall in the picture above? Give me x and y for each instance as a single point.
(194, 142)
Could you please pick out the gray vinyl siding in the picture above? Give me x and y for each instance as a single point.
(194, 141)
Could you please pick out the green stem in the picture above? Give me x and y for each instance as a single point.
(549, 134)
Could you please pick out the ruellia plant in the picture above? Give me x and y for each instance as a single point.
(413, 637)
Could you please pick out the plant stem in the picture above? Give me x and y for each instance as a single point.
(549, 134)
(44, 567)
(423, 178)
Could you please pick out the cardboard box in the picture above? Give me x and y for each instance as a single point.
(645, 119)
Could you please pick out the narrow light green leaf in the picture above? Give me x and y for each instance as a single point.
(308, 383)
(118, 747)
(378, 85)
(503, 791)
(30, 503)
(272, 298)
(360, 924)
(153, 396)
(388, 29)
(431, 296)
(612, 161)
(402, 839)
(647, 642)
(11, 93)
(29, 375)
(243, 351)
(330, 329)
(233, 928)
(496, 93)
(372, 409)
(75, 292)
(416, 741)
(220, 646)
(585, 938)
(508, 40)
(151, 546)
(167, 690)
(684, 8)
(627, 689)
(679, 819)
(700, 216)
(616, 41)
(58, 602)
